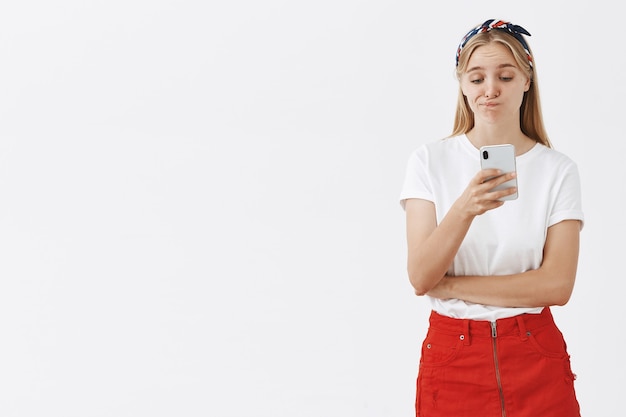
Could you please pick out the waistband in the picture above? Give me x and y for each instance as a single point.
(519, 325)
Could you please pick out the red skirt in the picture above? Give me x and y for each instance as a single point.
(514, 367)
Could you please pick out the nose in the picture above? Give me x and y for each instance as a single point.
(491, 90)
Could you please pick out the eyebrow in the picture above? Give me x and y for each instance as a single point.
(499, 67)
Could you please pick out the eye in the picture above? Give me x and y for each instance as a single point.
(506, 78)
(477, 81)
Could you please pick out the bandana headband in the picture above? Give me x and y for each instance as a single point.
(516, 31)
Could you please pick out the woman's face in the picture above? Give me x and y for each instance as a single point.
(493, 84)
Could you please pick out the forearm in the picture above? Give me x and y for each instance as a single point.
(550, 284)
(535, 288)
(429, 262)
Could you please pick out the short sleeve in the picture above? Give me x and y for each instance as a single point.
(417, 183)
(568, 199)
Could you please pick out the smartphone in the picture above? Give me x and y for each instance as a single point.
(501, 157)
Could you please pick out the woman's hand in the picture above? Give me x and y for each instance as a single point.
(478, 197)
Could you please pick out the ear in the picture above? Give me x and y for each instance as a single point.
(527, 85)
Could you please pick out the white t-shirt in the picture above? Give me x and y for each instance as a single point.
(506, 240)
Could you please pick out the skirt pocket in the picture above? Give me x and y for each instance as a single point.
(548, 341)
(440, 348)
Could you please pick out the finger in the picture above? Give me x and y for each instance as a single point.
(500, 179)
(486, 175)
(497, 195)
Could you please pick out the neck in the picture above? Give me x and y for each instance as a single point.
(494, 135)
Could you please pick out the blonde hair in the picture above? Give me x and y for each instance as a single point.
(531, 118)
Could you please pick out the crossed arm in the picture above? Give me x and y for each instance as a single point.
(432, 247)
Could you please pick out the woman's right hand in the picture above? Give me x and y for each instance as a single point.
(478, 197)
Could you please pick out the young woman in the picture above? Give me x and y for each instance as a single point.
(492, 268)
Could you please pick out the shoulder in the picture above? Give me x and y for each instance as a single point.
(554, 169)
(553, 155)
(439, 147)
(555, 158)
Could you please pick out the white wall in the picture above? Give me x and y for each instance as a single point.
(199, 216)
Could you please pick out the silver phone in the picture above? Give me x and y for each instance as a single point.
(501, 157)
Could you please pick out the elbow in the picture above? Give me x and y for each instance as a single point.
(554, 286)
(562, 297)
(419, 282)
(561, 293)
(420, 291)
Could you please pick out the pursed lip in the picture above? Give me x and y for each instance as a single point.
(489, 104)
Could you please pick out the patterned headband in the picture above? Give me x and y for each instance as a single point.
(516, 31)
